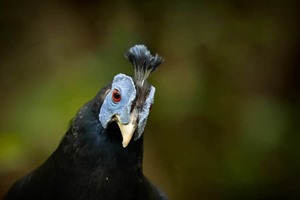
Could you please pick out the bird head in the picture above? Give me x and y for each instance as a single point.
(129, 100)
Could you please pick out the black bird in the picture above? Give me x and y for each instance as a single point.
(101, 154)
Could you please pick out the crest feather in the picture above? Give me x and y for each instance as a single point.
(143, 62)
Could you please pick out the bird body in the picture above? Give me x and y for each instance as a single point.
(97, 159)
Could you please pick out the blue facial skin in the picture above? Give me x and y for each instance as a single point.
(143, 116)
(109, 108)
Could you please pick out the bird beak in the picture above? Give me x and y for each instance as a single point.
(127, 130)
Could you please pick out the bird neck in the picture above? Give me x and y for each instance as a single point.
(102, 148)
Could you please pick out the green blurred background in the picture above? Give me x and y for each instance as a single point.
(225, 124)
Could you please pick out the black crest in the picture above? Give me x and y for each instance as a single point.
(143, 62)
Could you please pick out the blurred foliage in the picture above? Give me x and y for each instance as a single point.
(225, 124)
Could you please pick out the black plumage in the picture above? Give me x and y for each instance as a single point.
(90, 162)
(143, 62)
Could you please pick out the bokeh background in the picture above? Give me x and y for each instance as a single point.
(225, 124)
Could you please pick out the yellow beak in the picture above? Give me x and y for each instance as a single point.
(127, 130)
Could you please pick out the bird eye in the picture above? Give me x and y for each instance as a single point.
(116, 95)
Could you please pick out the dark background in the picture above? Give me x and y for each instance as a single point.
(225, 124)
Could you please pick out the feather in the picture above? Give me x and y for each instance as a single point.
(143, 62)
